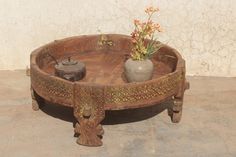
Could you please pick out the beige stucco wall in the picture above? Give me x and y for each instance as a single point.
(204, 31)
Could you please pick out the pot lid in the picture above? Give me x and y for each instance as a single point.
(69, 62)
(68, 65)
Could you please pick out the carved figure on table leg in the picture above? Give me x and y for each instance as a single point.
(89, 112)
(89, 129)
(176, 110)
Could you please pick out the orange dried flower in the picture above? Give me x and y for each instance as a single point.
(151, 10)
(157, 27)
(137, 22)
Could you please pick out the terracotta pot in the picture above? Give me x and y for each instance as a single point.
(137, 71)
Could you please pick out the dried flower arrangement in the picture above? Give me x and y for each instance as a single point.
(145, 30)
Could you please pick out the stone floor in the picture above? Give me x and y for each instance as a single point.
(207, 129)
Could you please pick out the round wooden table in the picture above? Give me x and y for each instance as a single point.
(104, 87)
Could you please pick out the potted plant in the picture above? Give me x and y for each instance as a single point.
(139, 67)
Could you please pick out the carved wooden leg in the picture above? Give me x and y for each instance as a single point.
(89, 112)
(36, 100)
(35, 105)
(176, 110)
(89, 129)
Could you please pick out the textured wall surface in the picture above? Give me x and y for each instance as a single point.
(203, 31)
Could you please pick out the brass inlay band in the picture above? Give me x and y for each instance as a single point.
(119, 95)
(53, 87)
(87, 95)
